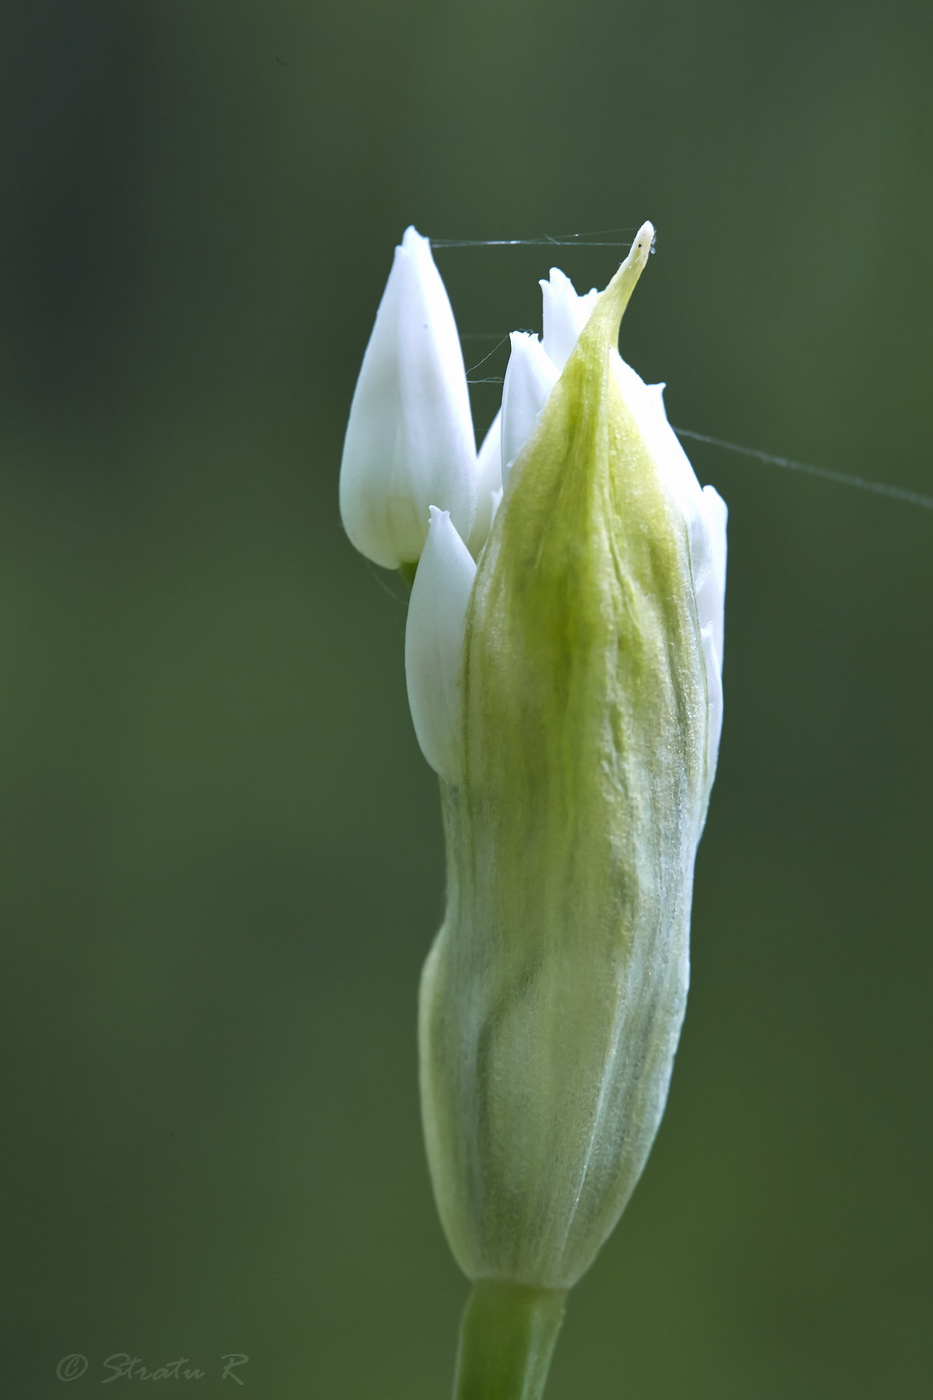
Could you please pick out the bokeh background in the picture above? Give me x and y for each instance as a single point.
(220, 862)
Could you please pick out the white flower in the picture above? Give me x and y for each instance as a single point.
(704, 513)
(535, 365)
(434, 644)
(564, 314)
(488, 485)
(409, 442)
(529, 379)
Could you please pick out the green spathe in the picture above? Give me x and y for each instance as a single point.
(552, 1000)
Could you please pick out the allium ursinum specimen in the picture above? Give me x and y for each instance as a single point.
(563, 667)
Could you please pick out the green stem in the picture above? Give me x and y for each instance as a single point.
(507, 1336)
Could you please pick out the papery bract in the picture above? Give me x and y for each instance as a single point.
(552, 999)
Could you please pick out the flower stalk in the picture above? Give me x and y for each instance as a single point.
(507, 1339)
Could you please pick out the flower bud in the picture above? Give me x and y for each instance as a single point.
(534, 365)
(488, 485)
(409, 442)
(564, 314)
(529, 378)
(434, 644)
(552, 999)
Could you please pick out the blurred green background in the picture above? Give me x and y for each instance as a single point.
(220, 862)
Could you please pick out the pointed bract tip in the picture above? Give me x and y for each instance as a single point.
(643, 242)
(613, 301)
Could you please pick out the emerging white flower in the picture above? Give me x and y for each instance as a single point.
(535, 365)
(409, 442)
(710, 583)
(529, 379)
(564, 314)
(434, 644)
(704, 514)
(488, 485)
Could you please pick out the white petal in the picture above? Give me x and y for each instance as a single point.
(529, 379)
(488, 484)
(409, 441)
(711, 597)
(713, 660)
(565, 313)
(646, 404)
(434, 639)
(704, 513)
(708, 558)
